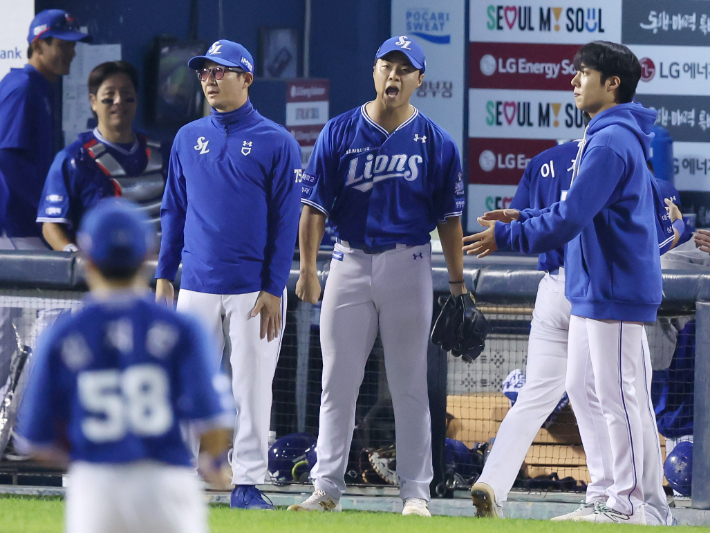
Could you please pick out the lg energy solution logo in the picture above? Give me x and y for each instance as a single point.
(429, 24)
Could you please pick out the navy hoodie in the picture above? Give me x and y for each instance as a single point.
(612, 264)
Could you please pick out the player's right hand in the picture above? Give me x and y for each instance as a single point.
(308, 287)
(502, 215)
(702, 240)
(164, 291)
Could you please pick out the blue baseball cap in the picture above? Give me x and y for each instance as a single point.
(56, 23)
(225, 53)
(409, 47)
(115, 233)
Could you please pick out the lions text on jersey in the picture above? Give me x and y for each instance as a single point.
(116, 379)
(380, 189)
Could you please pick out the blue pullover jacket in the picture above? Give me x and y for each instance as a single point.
(231, 204)
(612, 264)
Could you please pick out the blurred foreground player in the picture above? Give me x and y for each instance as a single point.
(386, 176)
(110, 386)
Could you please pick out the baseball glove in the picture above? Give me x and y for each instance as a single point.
(461, 328)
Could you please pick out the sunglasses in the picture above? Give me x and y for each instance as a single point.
(218, 72)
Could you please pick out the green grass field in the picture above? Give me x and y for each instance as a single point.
(45, 515)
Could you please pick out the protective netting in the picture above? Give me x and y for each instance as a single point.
(479, 394)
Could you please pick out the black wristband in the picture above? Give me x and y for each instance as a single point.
(456, 282)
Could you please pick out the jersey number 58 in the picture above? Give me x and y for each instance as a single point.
(136, 400)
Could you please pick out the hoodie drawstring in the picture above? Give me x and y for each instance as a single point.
(578, 159)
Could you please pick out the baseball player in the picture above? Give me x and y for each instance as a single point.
(110, 386)
(385, 175)
(612, 266)
(230, 211)
(82, 174)
(26, 125)
(546, 179)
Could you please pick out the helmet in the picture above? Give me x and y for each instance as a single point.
(458, 459)
(678, 467)
(311, 457)
(286, 454)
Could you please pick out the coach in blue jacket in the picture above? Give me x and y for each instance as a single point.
(613, 271)
(230, 211)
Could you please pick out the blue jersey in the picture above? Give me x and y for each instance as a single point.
(115, 380)
(76, 182)
(26, 148)
(380, 189)
(231, 204)
(667, 190)
(547, 175)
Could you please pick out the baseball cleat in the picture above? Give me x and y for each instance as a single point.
(583, 510)
(603, 514)
(416, 506)
(249, 497)
(319, 502)
(484, 499)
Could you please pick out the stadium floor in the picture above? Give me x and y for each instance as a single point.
(365, 508)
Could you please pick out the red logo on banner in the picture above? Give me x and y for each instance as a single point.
(522, 66)
(502, 161)
(648, 69)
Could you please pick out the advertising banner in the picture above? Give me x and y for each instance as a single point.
(15, 18)
(439, 26)
(502, 161)
(546, 21)
(518, 66)
(691, 166)
(687, 118)
(673, 69)
(482, 198)
(307, 111)
(669, 22)
(524, 114)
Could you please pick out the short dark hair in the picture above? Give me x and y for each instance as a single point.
(116, 273)
(105, 70)
(611, 59)
(47, 40)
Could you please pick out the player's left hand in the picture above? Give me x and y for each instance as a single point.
(269, 307)
(702, 240)
(483, 243)
(673, 210)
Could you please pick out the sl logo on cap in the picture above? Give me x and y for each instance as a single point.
(402, 42)
(214, 49)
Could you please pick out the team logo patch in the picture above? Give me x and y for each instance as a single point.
(246, 148)
(403, 42)
(418, 138)
(201, 145)
(338, 256)
(214, 49)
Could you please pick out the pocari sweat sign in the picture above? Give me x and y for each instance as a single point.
(15, 18)
(439, 26)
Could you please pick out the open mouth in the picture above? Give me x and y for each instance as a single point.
(392, 91)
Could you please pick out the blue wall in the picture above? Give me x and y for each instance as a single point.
(345, 35)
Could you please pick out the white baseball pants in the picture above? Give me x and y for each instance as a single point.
(140, 497)
(390, 292)
(608, 378)
(253, 362)
(545, 385)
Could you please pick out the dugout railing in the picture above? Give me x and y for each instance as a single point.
(35, 286)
